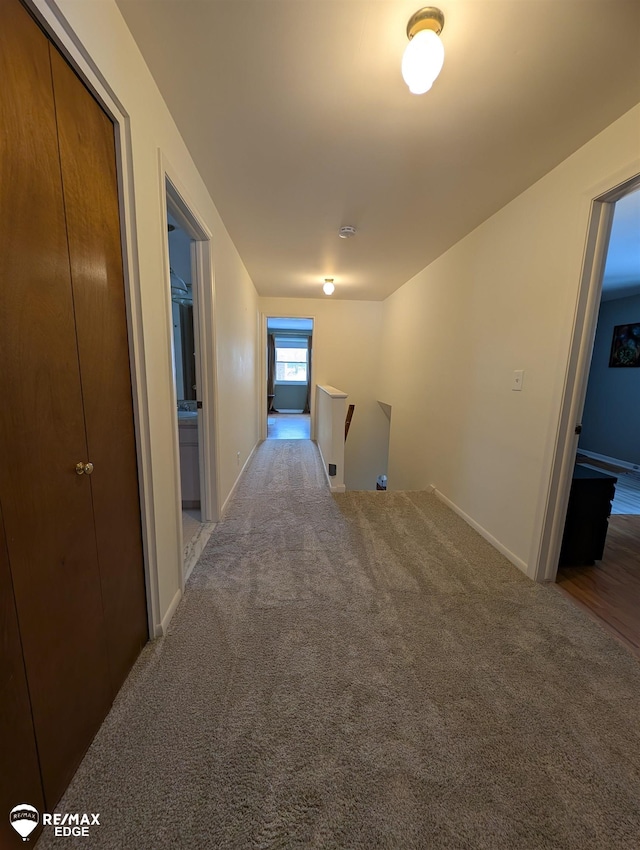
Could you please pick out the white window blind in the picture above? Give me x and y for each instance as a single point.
(292, 358)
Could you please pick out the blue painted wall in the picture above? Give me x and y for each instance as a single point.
(290, 397)
(611, 418)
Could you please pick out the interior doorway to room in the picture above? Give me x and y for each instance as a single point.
(600, 554)
(188, 247)
(289, 364)
(185, 359)
(609, 438)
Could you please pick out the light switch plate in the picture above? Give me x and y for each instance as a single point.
(518, 378)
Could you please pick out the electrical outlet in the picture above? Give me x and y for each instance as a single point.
(518, 378)
(238, 459)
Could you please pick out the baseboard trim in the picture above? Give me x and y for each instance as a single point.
(195, 548)
(324, 465)
(335, 488)
(634, 467)
(161, 628)
(237, 481)
(515, 560)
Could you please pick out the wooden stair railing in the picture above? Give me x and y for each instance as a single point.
(347, 421)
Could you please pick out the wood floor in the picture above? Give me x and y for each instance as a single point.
(288, 426)
(610, 590)
(627, 496)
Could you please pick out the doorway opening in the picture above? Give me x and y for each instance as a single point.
(595, 558)
(609, 438)
(289, 364)
(192, 347)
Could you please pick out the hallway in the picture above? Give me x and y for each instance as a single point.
(288, 426)
(364, 671)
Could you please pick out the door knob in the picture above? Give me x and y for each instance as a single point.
(84, 468)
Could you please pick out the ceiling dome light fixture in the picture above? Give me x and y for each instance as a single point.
(424, 55)
(347, 232)
(328, 287)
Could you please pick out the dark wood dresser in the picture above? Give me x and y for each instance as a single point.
(585, 530)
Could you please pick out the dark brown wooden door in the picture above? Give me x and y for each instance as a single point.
(47, 508)
(88, 162)
(73, 541)
(20, 774)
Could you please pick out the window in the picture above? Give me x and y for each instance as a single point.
(291, 360)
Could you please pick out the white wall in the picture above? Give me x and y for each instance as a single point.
(611, 418)
(346, 353)
(330, 414)
(501, 299)
(100, 29)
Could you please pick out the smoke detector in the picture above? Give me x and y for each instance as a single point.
(347, 232)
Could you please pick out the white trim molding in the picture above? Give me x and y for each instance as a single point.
(509, 555)
(237, 481)
(163, 626)
(614, 461)
(58, 28)
(174, 195)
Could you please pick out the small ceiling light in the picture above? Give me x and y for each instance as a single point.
(424, 55)
(328, 287)
(347, 232)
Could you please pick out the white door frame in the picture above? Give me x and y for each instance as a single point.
(203, 287)
(263, 370)
(546, 553)
(56, 26)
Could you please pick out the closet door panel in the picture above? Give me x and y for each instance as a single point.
(20, 774)
(47, 507)
(88, 162)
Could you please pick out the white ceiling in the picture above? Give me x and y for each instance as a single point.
(299, 121)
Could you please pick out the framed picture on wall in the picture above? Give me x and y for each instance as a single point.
(625, 345)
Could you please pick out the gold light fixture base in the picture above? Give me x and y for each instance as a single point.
(427, 18)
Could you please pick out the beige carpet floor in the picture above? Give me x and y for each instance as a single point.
(364, 671)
